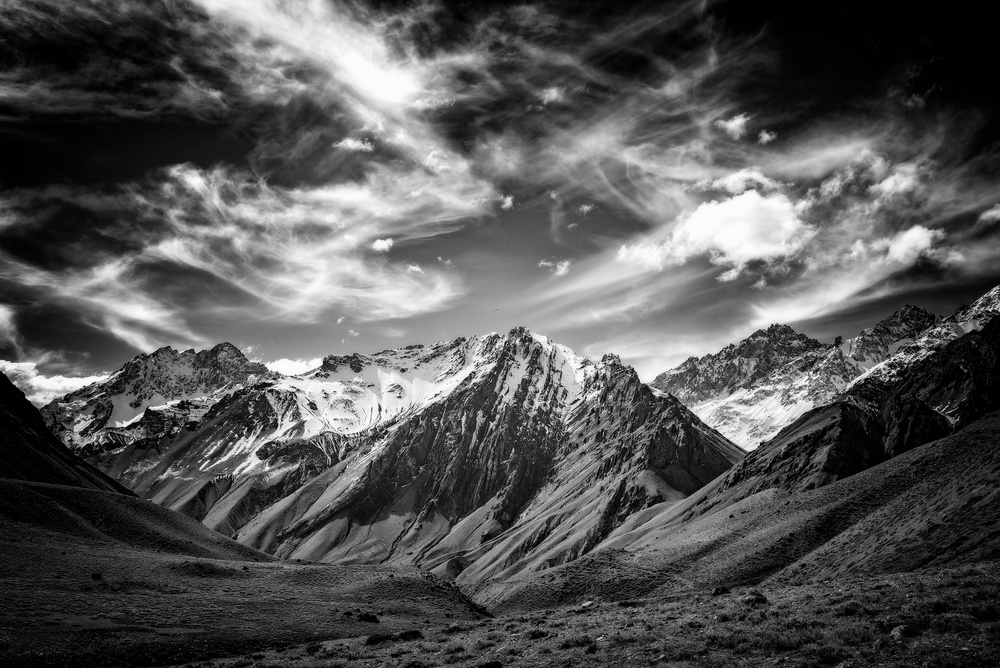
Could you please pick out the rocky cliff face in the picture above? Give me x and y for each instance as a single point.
(473, 457)
(749, 391)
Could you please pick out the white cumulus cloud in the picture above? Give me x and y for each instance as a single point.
(290, 367)
(732, 233)
(909, 245)
(381, 245)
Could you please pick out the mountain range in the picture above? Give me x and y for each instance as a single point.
(496, 454)
(751, 390)
(531, 477)
(487, 458)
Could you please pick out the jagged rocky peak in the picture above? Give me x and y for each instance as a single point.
(611, 358)
(736, 366)
(782, 333)
(876, 343)
(980, 311)
(148, 380)
(223, 360)
(333, 363)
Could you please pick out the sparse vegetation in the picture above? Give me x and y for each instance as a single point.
(942, 618)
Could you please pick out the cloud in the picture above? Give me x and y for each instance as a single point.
(356, 145)
(820, 154)
(735, 127)
(352, 332)
(903, 179)
(552, 95)
(41, 389)
(120, 71)
(764, 137)
(290, 367)
(8, 328)
(556, 267)
(740, 181)
(733, 233)
(907, 246)
(990, 216)
(381, 125)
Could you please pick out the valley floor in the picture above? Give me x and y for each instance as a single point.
(215, 614)
(91, 603)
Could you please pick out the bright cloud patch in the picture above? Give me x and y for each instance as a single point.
(904, 178)
(41, 389)
(381, 245)
(741, 181)
(990, 216)
(8, 331)
(735, 127)
(356, 145)
(290, 367)
(746, 228)
(557, 267)
(908, 246)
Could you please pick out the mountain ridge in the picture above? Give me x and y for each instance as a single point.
(750, 395)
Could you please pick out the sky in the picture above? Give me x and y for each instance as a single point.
(310, 177)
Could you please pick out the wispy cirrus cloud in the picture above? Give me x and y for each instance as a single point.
(379, 138)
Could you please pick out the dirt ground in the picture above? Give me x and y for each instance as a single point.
(166, 609)
(92, 603)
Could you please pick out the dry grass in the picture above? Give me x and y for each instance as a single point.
(845, 623)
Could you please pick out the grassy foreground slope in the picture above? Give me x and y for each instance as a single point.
(96, 578)
(933, 617)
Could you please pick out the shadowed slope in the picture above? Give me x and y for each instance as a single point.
(29, 451)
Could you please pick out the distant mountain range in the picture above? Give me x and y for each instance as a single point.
(750, 390)
(489, 455)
